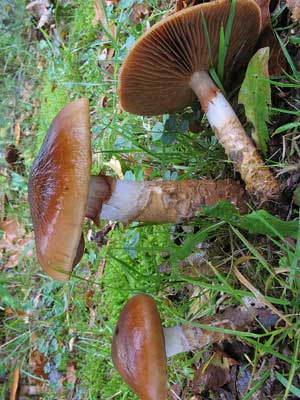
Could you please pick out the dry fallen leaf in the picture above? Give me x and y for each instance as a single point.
(175, 391)
(115, 165)
(181, 4)
(89, 298)
(99, 12)
(37, 362)
(33, 390)
(103, 101)
(12, 230)
(294, 6)
(41, 11)
(14, 240)
(195, 126)
(17, 132)
(260, 300)
(15, 384)
(14, 158)
(107, 34)
(100, 17)
(215, 373)
(3, 201)
(71, 373)
(138, 14)
(243, 380)
(234, 318)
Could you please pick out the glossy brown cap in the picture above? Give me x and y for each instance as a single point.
(138, 349)
(58, 190)
(155, 75)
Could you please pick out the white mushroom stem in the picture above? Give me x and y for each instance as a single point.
(159, 201)
(182, 338)
(238, 146)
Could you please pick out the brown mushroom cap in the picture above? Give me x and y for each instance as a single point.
(138, 349)
(155, 75)
(58, 190)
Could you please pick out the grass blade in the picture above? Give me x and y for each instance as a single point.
(291, 388)
(222, 53)
(288, 57)
(207, 39)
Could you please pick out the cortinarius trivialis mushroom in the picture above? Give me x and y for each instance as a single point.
(168, 68)
(62, 193)
(140, 344)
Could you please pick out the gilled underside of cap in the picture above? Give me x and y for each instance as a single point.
(155, 75)
(58, 190)
(138, 349)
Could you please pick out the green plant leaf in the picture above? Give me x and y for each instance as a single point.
(260, 221)
(264, 223)
(292, 389)
(255, 95)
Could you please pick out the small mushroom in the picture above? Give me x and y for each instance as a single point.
(138, 349)
(168, 68)
(140, 345)
(62, 193)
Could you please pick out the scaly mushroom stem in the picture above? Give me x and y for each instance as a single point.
(238, 146)
(159, 201)
(182, 338)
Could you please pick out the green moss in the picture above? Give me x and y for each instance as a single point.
(99, 378)
(53, 99)
(130, 268)
(63, 79)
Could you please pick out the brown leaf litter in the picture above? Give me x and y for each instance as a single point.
(14, 241)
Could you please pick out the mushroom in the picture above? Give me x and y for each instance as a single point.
(168, 67)
(58, 190)
(138, 349)
(62, 193)
(140, 345)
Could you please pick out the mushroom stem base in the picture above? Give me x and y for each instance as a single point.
(238, 146)
(217, 327)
